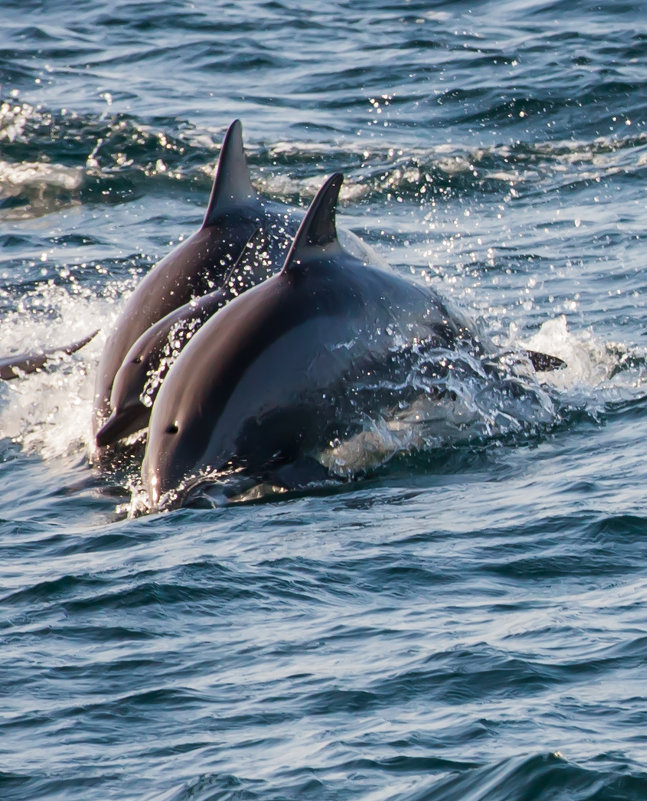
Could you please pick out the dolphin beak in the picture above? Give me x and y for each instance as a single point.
(121, 423)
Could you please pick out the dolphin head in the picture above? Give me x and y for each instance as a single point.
(128, 414)
(136, 381)
(170, 463)
(202, 415)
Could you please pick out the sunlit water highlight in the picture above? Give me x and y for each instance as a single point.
(465, 618)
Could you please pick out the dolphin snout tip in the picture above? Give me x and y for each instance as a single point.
(111, 431)
(105, 434)
(121, 423)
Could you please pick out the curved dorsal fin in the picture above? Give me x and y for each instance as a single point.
(232, 186)
(317, 234)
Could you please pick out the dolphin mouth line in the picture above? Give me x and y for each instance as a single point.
(230, 482)
(121, 423)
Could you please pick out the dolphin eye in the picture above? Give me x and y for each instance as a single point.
(137, 360)
(172, 429)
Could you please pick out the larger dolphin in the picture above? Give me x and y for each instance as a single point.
(293, 363)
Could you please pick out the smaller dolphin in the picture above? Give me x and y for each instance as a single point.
(16, 366)
(142, 371)
(293, 364)
(148, 361)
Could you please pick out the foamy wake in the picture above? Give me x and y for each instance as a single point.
(596, 373)
(49, 413)
(598, 370)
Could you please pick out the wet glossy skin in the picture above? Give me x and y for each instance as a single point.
(271, 377)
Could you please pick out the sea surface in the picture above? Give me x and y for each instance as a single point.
(463, 618)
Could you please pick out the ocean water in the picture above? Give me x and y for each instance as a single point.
(464, 619)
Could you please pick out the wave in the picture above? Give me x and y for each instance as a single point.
(53, 159)
(546, 776)
(540, 777)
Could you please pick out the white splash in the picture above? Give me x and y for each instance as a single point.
(591, 364)
(49, 413)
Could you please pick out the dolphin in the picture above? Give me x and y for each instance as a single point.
(16, 366)
(146, 364)
(199, 264)
(144, 367)
(293, 364)
(197, 267)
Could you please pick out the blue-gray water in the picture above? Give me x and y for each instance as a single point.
(466, 622)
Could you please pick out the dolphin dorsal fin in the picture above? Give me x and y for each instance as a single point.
(317, 234)
(232, 187)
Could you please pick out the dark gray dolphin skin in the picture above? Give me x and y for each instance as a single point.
(146, 364)
(199, 264)
(16, 366)
(281, 371)
(195, 268)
